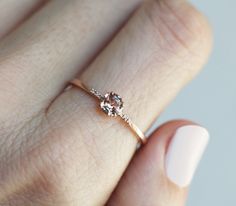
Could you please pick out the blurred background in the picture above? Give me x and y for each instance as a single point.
(211, 100)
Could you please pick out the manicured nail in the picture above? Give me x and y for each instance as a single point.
(184, 153)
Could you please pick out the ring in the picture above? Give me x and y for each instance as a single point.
(112, 105)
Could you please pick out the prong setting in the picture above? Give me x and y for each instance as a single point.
(112, 104)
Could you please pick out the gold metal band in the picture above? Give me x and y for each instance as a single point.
(112, 105)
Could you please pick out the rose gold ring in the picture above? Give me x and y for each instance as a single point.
(112, 105)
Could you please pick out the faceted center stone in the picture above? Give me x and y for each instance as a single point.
(112, 104)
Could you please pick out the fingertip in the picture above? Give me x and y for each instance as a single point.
(163, 168)
(145, 179)
(184, 153)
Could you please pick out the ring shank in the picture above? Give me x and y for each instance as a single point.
(78, 83)
(139, 134)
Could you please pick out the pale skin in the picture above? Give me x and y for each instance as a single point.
(56, 146)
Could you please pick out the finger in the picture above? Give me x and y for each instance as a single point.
(147, 64)
(149, 68)
(44, 53)
(12, 12)
(161, 172)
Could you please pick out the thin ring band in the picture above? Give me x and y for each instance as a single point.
(112, 105)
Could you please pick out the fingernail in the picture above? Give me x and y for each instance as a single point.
(184, 153)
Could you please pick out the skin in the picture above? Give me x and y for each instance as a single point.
(56, 147)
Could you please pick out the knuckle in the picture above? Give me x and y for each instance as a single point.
(179, 26)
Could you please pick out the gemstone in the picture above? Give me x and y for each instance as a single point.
(112, 104)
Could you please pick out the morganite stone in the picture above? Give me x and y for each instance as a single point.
(112, 104)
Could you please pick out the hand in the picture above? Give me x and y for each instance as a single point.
(56, 148)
